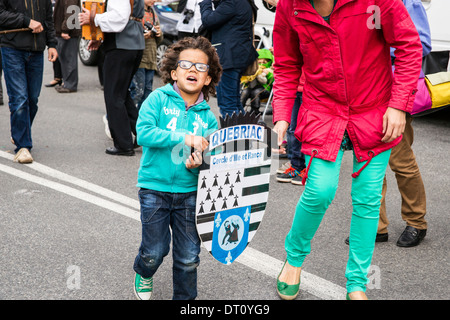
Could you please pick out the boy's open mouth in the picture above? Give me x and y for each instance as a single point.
(191, 79)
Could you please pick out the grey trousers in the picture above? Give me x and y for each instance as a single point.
(68, 57)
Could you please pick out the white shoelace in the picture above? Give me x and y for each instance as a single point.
(146, 283)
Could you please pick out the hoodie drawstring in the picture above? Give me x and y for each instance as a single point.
(305, 176)
(356, 174)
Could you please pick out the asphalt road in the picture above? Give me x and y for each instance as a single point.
(69, 223)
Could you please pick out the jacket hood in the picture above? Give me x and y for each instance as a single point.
(266, 54)
(170, 91)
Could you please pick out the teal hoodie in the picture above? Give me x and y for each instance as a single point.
(161, 128)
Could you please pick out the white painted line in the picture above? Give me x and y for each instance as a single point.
(251, 258)
(78, 182)
(310, 283)
(127, 212)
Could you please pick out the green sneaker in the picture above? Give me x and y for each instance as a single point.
(143, 287)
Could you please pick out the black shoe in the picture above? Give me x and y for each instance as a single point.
(135, 144)
(381, 237)
(117, 152)
(411, 237)
(64, 90)
(54, 83)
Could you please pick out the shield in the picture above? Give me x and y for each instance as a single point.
(233, 186)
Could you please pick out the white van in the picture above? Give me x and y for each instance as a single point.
(264, 24)
(438, 12)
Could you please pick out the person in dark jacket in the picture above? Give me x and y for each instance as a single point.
(68, 32)
(23, 64)
(232, 35)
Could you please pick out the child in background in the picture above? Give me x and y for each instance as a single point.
(258, 85)
(142, 84)
(172, 120)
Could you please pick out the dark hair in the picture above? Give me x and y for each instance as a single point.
(172, 54)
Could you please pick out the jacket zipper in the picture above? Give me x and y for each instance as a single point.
(33, 17)
(182, 127)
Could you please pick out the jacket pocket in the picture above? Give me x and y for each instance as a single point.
(313, 127)
(151, 202)
(369, 128)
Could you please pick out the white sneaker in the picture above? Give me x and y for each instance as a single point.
(105, 121)
(23, 156)
(284, 167)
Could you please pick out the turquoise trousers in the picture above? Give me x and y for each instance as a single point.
(320, 189)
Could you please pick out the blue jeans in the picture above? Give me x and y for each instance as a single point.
(160, 212)
(141, 85)
(23, 77)
(228, 92)
(294, 146)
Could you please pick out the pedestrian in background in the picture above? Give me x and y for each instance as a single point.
(142, 83)
(123, 46)
(403, 161)
(1, 83)
(57, 73)
(68, 34)
(23, 65)
(232, 36)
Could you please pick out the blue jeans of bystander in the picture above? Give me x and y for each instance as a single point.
(23, 77)
(294, 146)
(228, 92)
(141, 85)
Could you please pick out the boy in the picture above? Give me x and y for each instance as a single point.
(258, 85)
(172, 120)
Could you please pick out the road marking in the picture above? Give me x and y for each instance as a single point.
(251, 258)
(125, 211)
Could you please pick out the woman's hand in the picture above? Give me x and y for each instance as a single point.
(280, 129)
(394, 121)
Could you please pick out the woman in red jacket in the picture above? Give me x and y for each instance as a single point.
(350, 101)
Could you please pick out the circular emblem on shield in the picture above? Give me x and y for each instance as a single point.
(231, 232)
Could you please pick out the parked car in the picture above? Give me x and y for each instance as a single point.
(168, 19)
(87, 57)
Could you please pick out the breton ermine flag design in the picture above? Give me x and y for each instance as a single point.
(233, 189)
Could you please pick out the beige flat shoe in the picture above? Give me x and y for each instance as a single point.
(23, 156)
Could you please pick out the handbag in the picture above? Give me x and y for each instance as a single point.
(438, 85)
(422, 101)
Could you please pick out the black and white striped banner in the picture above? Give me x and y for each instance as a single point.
(231, 200)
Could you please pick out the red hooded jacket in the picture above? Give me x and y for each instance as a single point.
(347, 66)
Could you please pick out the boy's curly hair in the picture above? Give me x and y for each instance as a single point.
(172, 54)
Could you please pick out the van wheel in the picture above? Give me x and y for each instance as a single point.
(160, 51)
(88, 58)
